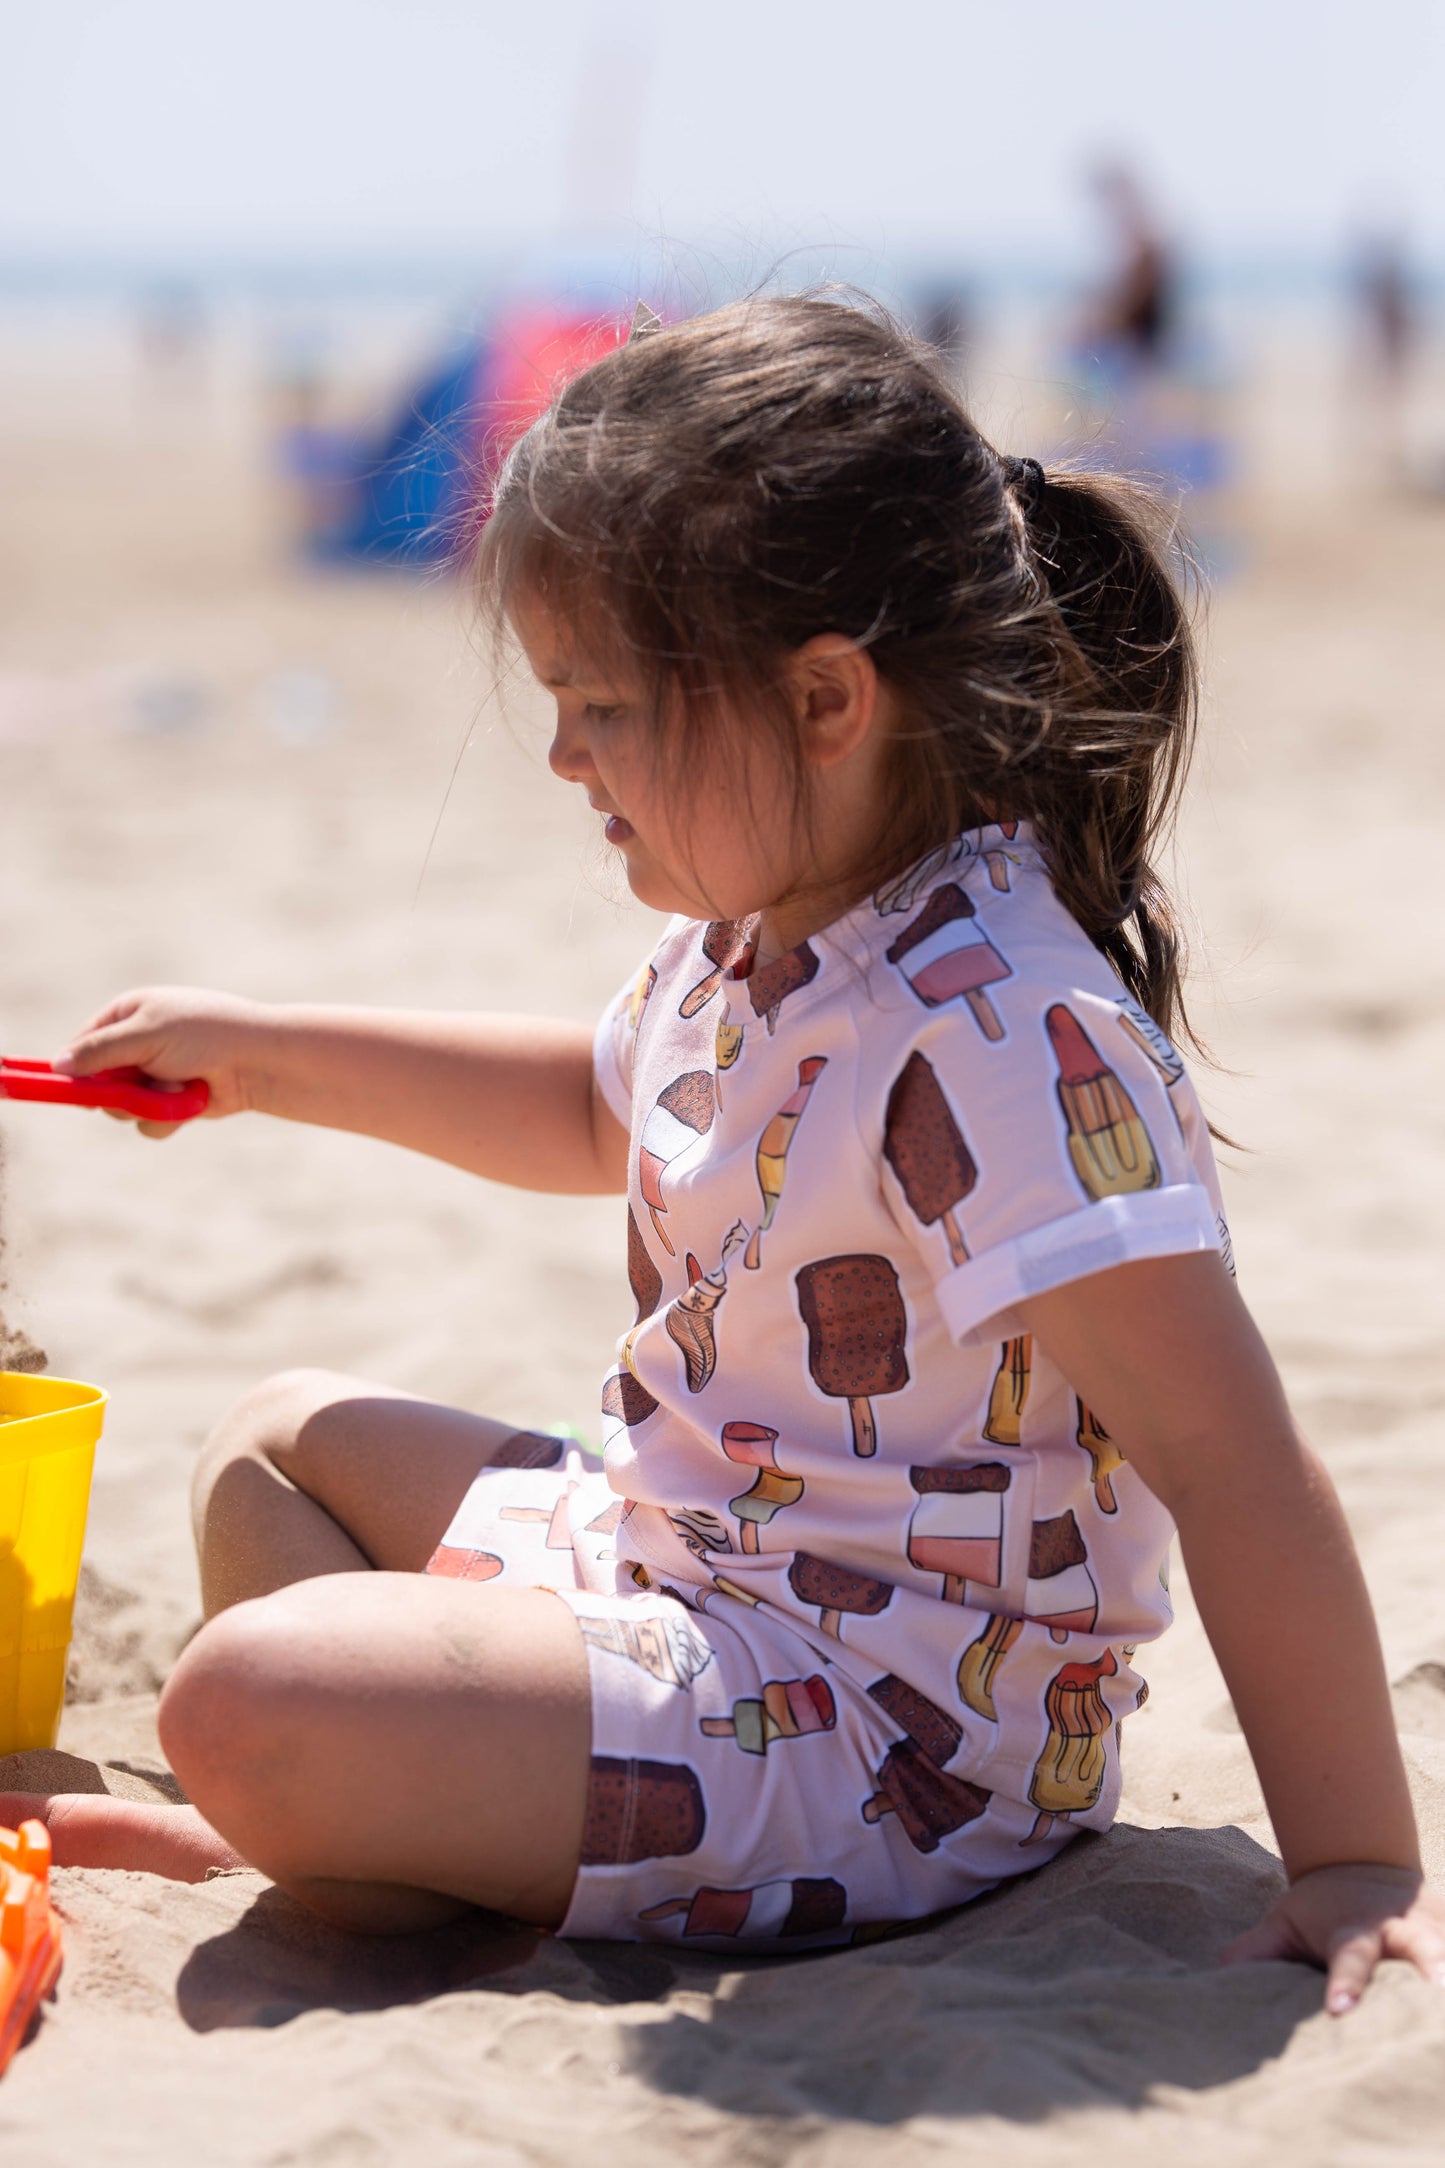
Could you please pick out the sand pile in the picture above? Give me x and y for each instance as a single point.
(1071, 2018)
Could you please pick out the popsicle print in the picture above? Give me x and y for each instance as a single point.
(957, 1526)
(1009, 1395)
(691, 1320)
(528, 1449)
(667, 1649)
(773, 1148)
(1069, 1774)
(724, 943)
(978, 1665)
(902, 894)
(1060, 1593)
(789, 1709)
(932, 1730)
(640, 1810)
(625, 1403)
(558, 1517)
(804, 1905)
(455, 1563)
(703, 1598)
(752, 1444)
(727, 1045)
(1226, 1245)
(1110, 1149)
(946, 956)
(643, 1276)
(769, 985)
(1147, 1036)
(998, 863)
(929, 1804)
(836, 1590)
(683, 1113)
(1104, 1456)
(924, 1146)
(857, 1326)
(700, 1529)
(641, 995)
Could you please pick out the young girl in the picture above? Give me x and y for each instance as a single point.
(937, 1340)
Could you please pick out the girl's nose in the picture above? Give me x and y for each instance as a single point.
(567, 755)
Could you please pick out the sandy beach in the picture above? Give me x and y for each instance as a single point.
(214, 769)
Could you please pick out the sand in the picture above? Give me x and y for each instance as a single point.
(211, 770)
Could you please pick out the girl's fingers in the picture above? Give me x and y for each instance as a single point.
(1420, 1943)
(158, 1129)
(1352, 1965)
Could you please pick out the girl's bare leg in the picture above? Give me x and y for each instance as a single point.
(394, 1750)
(315, 1473)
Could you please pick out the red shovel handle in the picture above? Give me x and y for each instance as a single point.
(125, 1091)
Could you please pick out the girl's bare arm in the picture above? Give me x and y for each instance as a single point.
(1170, 1360)
(509, 1097)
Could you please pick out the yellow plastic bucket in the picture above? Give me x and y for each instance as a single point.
(48, 1431)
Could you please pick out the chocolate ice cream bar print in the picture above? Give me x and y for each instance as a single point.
(1105, 1459)
(769, 985)
(857, 1326)
(640, 1810)
(668, 1649)
(789, 1709)
(773, 1148)
(929, 1804)
(932, 1730)
(625, 1403)
(691, 1321)
(836, 1590)
(1069, 1774)
(752, 1445)
(683, 1113)
(528, 1449)
(1111, 1151)
(957, 1526)
(924, 1146)
(1010, 1392)
(724, 943)
(946, 956)
(643, 1276)
(1060, 1593)
(806, 1905)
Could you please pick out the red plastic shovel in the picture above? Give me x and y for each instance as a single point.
(125, 1091)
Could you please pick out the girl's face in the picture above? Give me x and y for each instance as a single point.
(726, 852)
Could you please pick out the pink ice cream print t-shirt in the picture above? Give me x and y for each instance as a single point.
(849, 1168)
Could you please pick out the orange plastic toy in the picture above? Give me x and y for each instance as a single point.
(29, 1931)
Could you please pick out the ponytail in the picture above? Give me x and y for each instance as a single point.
(1120, 722)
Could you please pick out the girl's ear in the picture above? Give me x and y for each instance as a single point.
(835, 688)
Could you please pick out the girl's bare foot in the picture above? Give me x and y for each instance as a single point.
(90, 1829)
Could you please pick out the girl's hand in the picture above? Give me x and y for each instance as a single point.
(175, 1034)
(1349, 1919)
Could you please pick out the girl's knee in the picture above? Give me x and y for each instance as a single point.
(222, 1712)
(264, 1423)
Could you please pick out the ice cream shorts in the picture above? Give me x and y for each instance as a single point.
(745, 1788)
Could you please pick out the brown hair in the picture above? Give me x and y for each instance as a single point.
(709, 497)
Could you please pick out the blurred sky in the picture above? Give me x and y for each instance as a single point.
(173, 128)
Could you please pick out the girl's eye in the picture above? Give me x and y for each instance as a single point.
(597, 713)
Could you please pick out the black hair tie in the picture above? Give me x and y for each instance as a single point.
(1027, 479)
